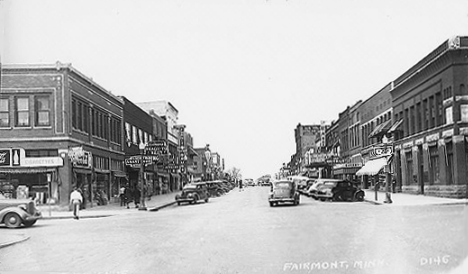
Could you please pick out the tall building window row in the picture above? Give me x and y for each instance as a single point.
(95, 121)
(23, 109)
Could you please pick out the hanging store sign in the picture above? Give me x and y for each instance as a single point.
(135, 161)
(383, 150)
(157, 147)
(83, 161)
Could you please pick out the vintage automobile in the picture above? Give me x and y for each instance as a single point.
(192, 193)
(216, 188)
(312, 190)
(283, 191)
(17, 212)
(339, 190)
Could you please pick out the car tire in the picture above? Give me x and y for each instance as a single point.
(29, 223)
(359, 196)
(206, 200)
(195, 199)
(272, 204)
(219, 193)
(178, 203)
(12, 220)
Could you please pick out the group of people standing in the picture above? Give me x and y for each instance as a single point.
(128, 195)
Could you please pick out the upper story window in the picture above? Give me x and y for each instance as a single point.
(4, 112)
(42, 111)
(22, 112)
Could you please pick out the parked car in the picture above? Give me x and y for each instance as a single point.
(312, 190)
(192, 193)
(17, 212)
(305, 190)
(339, 190)
(301, 181)
(283, 191)
(216, 188)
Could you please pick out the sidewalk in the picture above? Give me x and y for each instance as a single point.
(154, 204)
(57, 212)
(405, 199)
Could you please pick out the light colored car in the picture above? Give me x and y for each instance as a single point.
(283, 191)
(17, 212)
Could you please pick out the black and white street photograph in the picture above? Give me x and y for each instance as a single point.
(233, 136)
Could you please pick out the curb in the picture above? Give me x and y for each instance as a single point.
(71, 217)
(22, 239)
(372, 202)
(161, 206)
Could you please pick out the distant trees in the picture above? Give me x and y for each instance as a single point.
(234, 173)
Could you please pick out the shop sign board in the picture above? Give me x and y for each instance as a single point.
(84, 160)
(135, 161)
(5, 157)
(157, 147)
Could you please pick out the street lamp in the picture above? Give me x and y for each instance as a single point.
(142, 147)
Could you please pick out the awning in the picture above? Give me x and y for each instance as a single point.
(29, 170)
(192, 151)
(395, 126)
(372, 167)
(118, 173)
(380, 129)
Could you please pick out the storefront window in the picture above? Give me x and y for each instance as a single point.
(409, 167)
(449, 162)
(4, 113)
(433, 164)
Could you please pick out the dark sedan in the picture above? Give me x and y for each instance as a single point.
(193, 193)
(339, 190)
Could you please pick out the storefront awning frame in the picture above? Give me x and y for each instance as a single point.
(372, 167)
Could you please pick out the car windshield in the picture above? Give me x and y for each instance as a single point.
(283, 185)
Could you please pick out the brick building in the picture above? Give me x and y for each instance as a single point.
(59, 129)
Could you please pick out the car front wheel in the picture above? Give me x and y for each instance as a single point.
(359, 196)
(29, 223)
(12, 220)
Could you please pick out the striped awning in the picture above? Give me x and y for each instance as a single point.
(372, 167)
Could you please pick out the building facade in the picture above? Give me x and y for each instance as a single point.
(59, 129)
(430, 107)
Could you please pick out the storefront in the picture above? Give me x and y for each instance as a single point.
(29, 177)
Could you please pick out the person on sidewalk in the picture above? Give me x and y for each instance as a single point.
(122, 196)
(76, 199)
(137, 197)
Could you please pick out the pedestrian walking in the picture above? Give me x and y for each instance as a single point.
(137, 196)
(75, 200)
(241, 186)
(128, 196)
(122, 196)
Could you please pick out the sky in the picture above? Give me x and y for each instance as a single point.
(242, 73)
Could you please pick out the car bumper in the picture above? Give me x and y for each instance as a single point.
(324, 195)
(184, 200)
(282, 200)
(34, 217)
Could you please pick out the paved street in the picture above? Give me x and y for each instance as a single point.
(241, 233)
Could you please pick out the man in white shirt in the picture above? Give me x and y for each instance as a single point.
(76, 199)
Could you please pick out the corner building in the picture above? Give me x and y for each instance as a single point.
(430, 115)
(45, 112)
